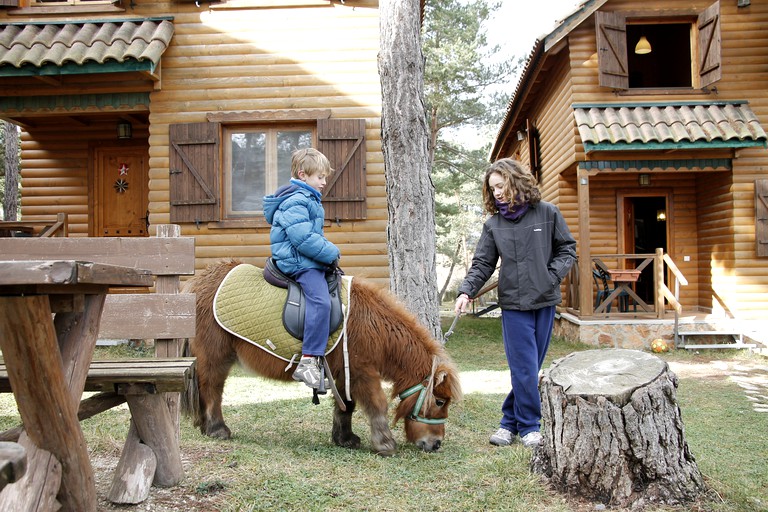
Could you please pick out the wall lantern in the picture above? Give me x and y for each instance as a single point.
(643, 46)
(661, 215)
(520, 134)
(644, 180)
(124, 130)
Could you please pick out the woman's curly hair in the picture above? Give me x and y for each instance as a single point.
(520, 186)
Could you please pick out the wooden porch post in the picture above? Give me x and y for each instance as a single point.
(585, 246)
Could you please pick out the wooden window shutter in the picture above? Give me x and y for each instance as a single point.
(710, 69)
(194, 172)
(761, 217)
(611, 31)
(343, 142)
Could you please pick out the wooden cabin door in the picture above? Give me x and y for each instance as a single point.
(645, 222)
(121, 182)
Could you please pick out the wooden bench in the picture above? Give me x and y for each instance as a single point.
(150, 386)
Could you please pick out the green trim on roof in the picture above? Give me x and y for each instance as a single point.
(650, 146)
(70, 68)
(660, 104)
(689, 163)
(83, 21)
(73, 102)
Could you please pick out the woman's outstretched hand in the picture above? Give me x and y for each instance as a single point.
(462, 301)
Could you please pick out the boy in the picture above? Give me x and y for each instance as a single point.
(300, 250)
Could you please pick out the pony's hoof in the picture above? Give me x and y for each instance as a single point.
(386, 449)
(353, 442)
(220, 431)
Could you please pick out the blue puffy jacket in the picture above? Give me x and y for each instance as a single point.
(296, 237)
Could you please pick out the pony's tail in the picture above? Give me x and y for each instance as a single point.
(190, 398)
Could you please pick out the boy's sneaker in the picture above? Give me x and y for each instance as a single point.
(308, 372)
(531, 439)
(501, 437)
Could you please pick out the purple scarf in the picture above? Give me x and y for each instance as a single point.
(514, 213)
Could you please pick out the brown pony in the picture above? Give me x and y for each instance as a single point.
(385, 343)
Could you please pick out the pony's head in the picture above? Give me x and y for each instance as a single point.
(424, 406)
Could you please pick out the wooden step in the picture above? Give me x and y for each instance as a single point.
(738, 338)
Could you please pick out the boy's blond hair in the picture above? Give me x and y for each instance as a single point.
(311, 161)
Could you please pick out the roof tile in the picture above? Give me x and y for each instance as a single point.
(673, 123)
(59, 43)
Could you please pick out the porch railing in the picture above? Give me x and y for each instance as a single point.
(39, 228)
(617, 265)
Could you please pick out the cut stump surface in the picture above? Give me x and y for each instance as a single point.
(613, 431)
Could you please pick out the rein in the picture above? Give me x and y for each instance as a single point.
(415, 416)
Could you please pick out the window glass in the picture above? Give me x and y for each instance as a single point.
(257, 161)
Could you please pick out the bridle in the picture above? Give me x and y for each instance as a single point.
(415, 416)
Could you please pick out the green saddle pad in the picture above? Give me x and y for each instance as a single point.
(252, 309)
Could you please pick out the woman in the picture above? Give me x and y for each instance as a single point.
(536, 251)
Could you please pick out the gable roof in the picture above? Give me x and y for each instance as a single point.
(29, 49)
(533, 64)
(679, 125)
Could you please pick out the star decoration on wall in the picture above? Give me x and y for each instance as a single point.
(123, 169)
(121, 186)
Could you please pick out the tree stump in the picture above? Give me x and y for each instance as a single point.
(613, 431)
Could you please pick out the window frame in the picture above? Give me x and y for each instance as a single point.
(271, 181)
(613, 47)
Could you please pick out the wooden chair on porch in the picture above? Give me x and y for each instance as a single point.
(604, 290)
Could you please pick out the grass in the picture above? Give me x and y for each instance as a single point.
(281, 456)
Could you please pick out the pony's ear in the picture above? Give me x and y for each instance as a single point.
(447, 376)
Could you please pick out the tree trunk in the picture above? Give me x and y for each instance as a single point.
(613, 431)
(405, 146)
(11, 198)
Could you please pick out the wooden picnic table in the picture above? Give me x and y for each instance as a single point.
(49, 322)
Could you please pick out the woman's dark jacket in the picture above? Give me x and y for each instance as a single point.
(536, 251)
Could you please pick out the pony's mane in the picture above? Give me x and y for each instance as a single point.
(384, 313)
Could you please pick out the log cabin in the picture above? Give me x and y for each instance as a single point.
(135, 113)
(644, 122)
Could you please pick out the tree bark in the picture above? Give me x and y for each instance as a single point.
(405, 146)
(613, 431)
(11, 198)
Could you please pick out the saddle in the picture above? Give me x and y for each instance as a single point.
(293, 309)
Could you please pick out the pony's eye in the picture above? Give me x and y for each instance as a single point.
(440, 402)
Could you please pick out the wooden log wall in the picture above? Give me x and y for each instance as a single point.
(235, 60)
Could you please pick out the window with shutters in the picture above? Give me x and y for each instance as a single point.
(257, 160)
(682, 51)
(220, 171)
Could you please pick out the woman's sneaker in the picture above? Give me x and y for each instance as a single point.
(308, 372)
(531, 439)
(502, 437)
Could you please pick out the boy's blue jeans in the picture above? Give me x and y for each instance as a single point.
(526, 337)
(317, 312)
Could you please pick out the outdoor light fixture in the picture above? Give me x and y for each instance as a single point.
(644, 180)
(124, 130)
(661, 215)
(643, 46)
(520, 135)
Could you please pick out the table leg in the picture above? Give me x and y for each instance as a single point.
(31, 351)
